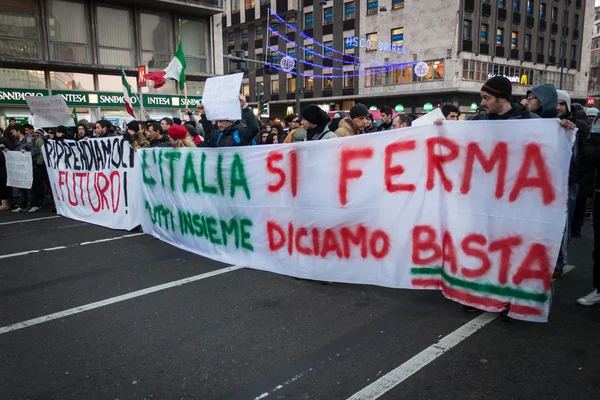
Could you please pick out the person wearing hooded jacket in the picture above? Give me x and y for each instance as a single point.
(316, 121)
(542, 100)
(231, 133)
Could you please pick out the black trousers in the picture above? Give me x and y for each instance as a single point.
(596, 218)
(578, 215)
(38, 189)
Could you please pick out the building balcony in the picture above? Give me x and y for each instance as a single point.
(516, 18)
(528, 56)
(502, 14)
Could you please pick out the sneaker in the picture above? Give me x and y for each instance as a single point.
(34, 209)
(469, 309)
(590, 299)
(558, 273)
(19, 209)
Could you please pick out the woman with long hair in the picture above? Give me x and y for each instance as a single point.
(179, 137)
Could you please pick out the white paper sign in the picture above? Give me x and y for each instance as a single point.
(474, 209)
(95, 181)
(220, 97)
(19, 169)
(429, 118)
(49, 111)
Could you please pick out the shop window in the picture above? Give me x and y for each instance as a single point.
(398, 36)
(156, 37)
(68, 31)
(309, 83)
(22, 78)
(115, 36)
(71, 81)
(348, 80)
(195, 41)
(373, 38)
(328, 16)
(401, 75)
(373, 77)
(438, 69)
(327, 82)
(397, 4)
(372, 7)
(19, 30)
(348, 10)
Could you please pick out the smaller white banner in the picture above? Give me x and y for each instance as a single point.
(220, 97)
(19, 169)
(49, 111)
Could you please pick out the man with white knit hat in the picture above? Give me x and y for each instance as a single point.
(592, 113)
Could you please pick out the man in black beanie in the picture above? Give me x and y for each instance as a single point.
(315, 121)
(356, 123)
(495, 100)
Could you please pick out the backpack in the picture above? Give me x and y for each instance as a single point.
(236, 138)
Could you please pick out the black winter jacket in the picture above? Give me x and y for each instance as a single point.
(238, 134)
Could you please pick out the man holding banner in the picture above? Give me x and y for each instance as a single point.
(231, 133)
(23, 144)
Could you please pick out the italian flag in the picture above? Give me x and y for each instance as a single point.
(127, 94)
(175, 70)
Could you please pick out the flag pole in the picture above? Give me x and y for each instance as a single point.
(185, 95)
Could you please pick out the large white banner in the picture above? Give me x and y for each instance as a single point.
(475, 209)
(49, 111)
(19, 169)
(95, 181)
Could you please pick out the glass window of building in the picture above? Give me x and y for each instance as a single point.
(438, 69)
(195, 88)
(514, 40)
(259, 32)
(500, 37)
(327, 82)
(328, 15)
(22, 78)
(397, 4)
(372, 7)
(552, 48)
(309, 54)
(245, 35)
(291, 52)
(541, 42)
(231, 39)
(516, 5)
(195, 39)
(398, 36)
(576, 21)
(502, 4)
(156, 37)
(308, 83)
(234, 6)
(348, 80)
(249, 4)
(19, 30)
(427, 77)
(308, 20)
(542, 11)
(115, 36)
(373, 77)
(529, 7)
(291, 21)
(291, 85)
(328, 48)
(275, 86)
(348, 47)
(348, 10)
(110, 83)
(528, 43)
(467, 29)
(484, 33)
(275, 57)
(71, 81)
(574, 52)
(170, 87)
(68, 31)
(554, 15)
(372, 37)
(246, 89)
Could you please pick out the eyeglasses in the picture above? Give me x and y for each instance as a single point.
(296, 121)
(531, 97)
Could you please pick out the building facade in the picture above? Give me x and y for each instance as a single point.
(594, 81)
(345, 44)
(75, 48)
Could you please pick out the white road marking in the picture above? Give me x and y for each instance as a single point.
(113, 300)
(28, 220)
(410, 367)
(23, 253)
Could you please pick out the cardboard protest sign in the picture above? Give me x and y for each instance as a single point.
(220, 97)
(476, 209)
(429, 118)
(95, 181)
(19, 169)
(49, 111)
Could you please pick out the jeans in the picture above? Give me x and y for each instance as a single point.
(572, 199)
(26, 196)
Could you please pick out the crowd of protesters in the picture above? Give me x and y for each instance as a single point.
(313, 123)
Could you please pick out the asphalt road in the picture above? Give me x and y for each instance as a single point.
(246, 334)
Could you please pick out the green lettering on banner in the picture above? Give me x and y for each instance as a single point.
(199, 226)
(173, 156)
(238, 176)
(205, 188)
(147, 179)
(160, 168)
(246, 223)
(230, 229)
(220, 174)
(212, 231)
(189, 174)
(161, 216)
